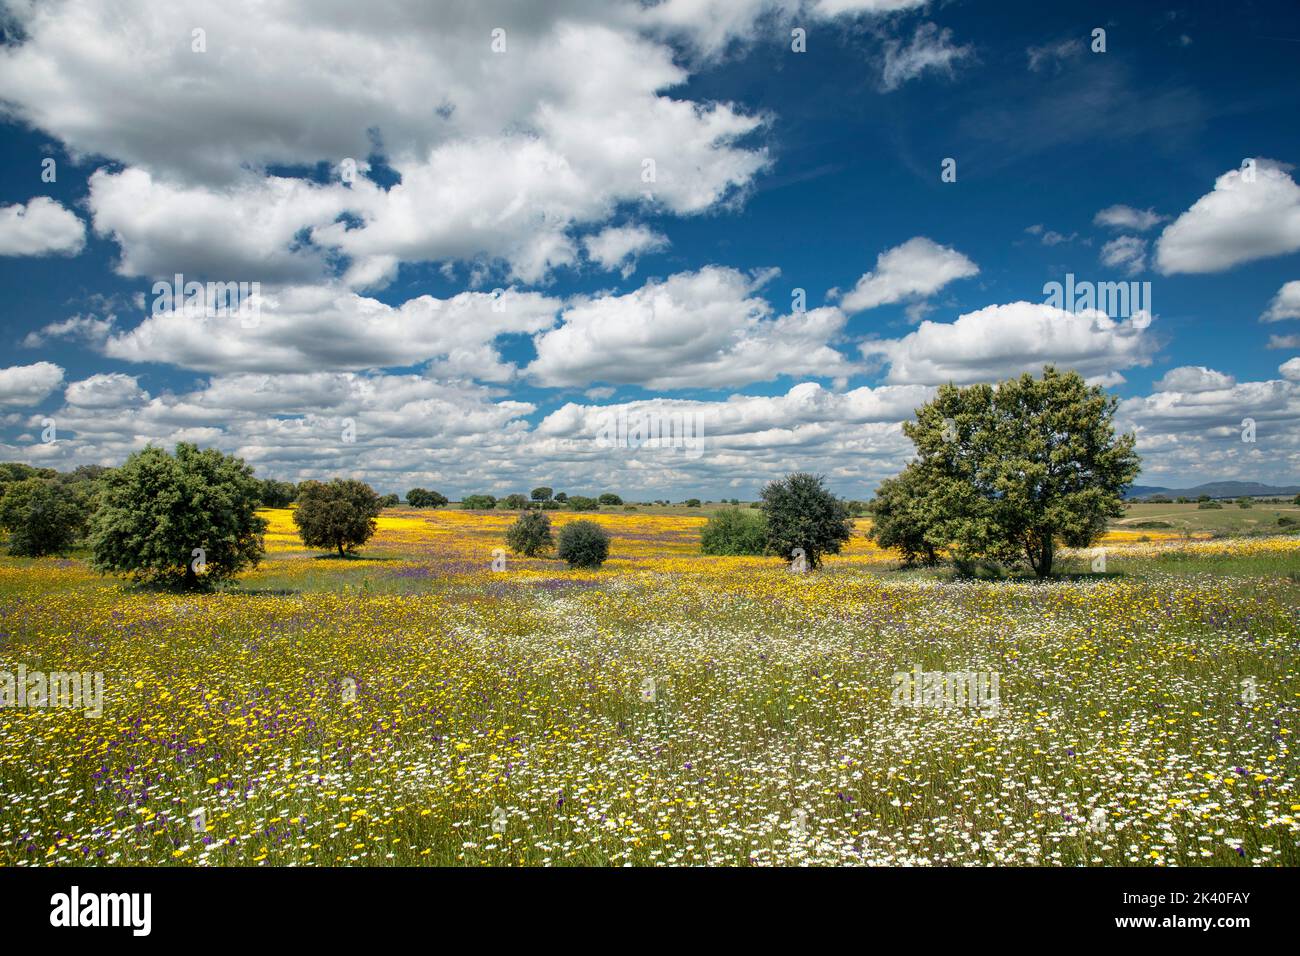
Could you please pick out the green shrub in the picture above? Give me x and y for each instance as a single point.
(581, 503)
(479, 502)
(802, 514)
(41, 516)
(188, 519)
(423, 498)
(530, 535)
(610, 499)
(584, 544)
(732, 531)
(1209, 506)
(339, 514)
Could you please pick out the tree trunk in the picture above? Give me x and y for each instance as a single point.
(340, 549)
(1045, 562)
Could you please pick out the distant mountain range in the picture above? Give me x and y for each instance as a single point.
(1217, 489)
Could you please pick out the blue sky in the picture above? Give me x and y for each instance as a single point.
(223, 157)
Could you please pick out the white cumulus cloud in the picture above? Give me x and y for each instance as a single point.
(28, 384)
(1001, 341)
(1285, 305)
(1239, 221)
(917, 268)
(704, 329)
(41, 227)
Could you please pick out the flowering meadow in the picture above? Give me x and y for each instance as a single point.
(413, 706)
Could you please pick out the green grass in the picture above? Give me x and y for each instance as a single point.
(1230, 520)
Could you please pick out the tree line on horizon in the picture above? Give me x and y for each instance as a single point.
(1005, 472)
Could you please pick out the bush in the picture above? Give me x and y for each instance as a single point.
(513, 502)
(530, 535)
(1151, 524)
(610, 499)
(340, 514)
(423, 498)
(579, 503)
(801, 513)
(42, 517)
(584, 544)
(479, 502)
(389, 501)
(732, 531)
(692, 502)
(1209, 506)
(1285, 521)
(158, 510)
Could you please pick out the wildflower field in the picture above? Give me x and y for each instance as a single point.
(413, 706)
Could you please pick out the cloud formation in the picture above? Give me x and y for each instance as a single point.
(918, 268)
(1252, 213)
(40, 227)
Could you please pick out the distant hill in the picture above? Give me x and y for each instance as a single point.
(1217, 489)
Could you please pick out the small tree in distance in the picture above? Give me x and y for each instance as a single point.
(277, 494)
(801, 513)
(530, 535)
(583, 544)
(339, 514)
(42, 517)
(542, 493)
(423, 498)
